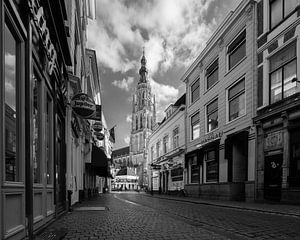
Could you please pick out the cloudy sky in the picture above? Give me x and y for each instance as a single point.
(173, 33)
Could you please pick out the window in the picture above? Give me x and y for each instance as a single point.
(294, 177)
(195, 170)
(11, 73)
(211, 162)
(176, 138)
(195, 91)
(237, 50)
(212, 115)
(136, 122)
(283, 73)
(236, 100)
(177, 174)
(165, 144)
(48, 138)
(280, 9)
(212, 74)
(195, 124)
(152, 153)
(36, 141)
(141, 121)
(158, 149)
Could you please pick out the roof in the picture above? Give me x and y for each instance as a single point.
(180, 101)
(120, 152)
(126, 171)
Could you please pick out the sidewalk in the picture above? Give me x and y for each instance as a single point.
(273, 208)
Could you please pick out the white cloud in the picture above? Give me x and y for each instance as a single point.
(124, 84)
(127, 139)
(164, 95)
(128, 118)
(176, 32)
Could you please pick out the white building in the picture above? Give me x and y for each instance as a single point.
(165, 150)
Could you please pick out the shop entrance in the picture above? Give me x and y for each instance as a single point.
(273, 177)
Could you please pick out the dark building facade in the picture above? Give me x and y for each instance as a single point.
(278, 102)
(34, 59)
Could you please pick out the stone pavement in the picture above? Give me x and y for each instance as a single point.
(270, 207)
(142, 216)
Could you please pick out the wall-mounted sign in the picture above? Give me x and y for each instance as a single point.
(273, 140)
(97, 126)
(211, 137)
(37, 13)
(83, 105)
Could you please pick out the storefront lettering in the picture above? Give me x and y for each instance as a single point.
(273, 140)
(40, 22)
(211, 137)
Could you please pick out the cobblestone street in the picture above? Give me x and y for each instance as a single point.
(141, 216)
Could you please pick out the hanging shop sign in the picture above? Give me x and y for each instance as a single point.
(99, 135)
(83, 105)
(37, 13)
(97, 126)
(97, 115)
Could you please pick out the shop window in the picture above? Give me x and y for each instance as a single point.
(212, 74)
(195, 92)
(280, 9)
(294, 177)
(177, 174)
(12, 69)
(237, 50)
(212, 115)
(195, 170)
(283, 73)
(165, 144)
(176, 138)
(211, 162)
(236, 100)
(195, 125)
(36, 124)
(48, 138)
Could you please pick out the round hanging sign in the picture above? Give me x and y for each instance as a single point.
(97, 126)
(99, 135)
(83, 105)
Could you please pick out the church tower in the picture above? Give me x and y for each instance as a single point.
(143, 120)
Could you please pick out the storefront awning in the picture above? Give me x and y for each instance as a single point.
(100, 162)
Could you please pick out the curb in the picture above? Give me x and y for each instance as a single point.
(228, 206)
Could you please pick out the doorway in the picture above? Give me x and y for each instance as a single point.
(273, 177)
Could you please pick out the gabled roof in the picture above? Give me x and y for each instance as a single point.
(120, 152)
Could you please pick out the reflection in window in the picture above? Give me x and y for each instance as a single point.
(195, 92)
(283, 73)
(11, 165)
(212, 115)
(280, 9)
(176, 138)
(236, 99)
(211, 166)
(195, 124)
(195, 170)
(48, 138)
(36, 124)
(237, 50)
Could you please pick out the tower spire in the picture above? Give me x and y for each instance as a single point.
(143, 70)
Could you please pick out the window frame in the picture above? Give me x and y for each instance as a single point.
(197, 81)
(238, 94)
(237, 45)
(209, 72)
(283, 15)
(175, 137)
(193, 161)
(165, 144)
(192, 125)
(212, 112)
(206, 160)
(281, 67)
(19, 98)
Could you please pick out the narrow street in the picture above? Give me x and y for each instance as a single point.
(141, 216)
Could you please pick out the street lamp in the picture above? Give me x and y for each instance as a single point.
(295, 80)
